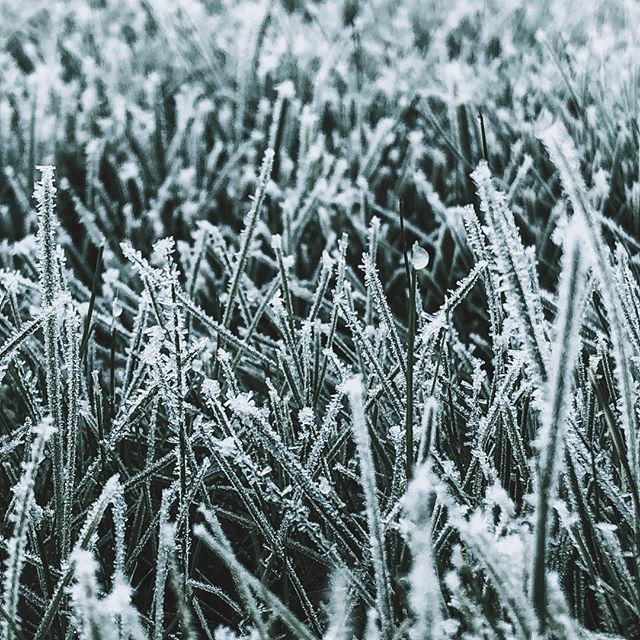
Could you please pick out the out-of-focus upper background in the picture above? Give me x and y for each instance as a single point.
(156, 115)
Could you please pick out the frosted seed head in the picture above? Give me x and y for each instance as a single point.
(452, 581)
(306, 416)
(395, 433)
(211, 388)
(481, 173)
(559, 233)
(10, 281)
(24, 247)
(116, 309)
(419, 257)
(457, 559)
(277, 304)
(243, 404)
(324, 486)
(227, 446)
(45, 428)
(606, 527)
(162, 249)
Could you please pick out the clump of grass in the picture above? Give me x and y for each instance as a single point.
(318, 419)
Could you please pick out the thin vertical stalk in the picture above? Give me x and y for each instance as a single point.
(411, 335)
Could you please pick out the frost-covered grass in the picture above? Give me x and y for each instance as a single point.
(293, 344)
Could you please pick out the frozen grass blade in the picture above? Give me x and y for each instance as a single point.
(250, 582)
(244, 590)
(339, 608)
(84, 542)
(44, 194)
(557, 401)
(21, 515)
(166, 541)
(72, 357)
(564, 157)
(355, 391)
(247, 236)
(11, 346)
(372, 281)
(514, 262)
(425, 596)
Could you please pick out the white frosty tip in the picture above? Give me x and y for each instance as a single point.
(559, 144)
(576, 234)
(45, 428)
(84, 562)
(118, 601)
(353, 386)
(481, 172)
(327, 260)
(286, 89)
(276, 242)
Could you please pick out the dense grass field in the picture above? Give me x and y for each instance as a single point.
(319, 319)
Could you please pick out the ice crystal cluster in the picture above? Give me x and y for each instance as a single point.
(319, 319)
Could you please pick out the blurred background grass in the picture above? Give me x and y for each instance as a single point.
(156, 115)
